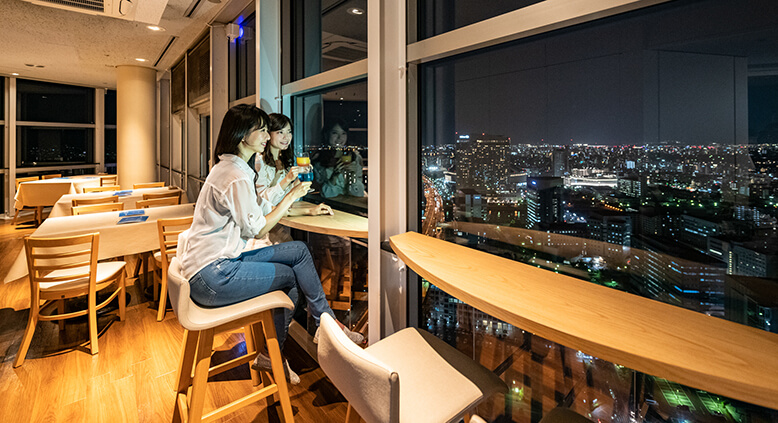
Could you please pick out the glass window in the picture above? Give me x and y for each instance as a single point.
(47, 102)
(435, 17)
(46, 146)
(243, 60)
(205, 145)
(326, 34)
(331, 127)
(2, 103)
(636, 158)
(199, 72)
(110, 150)
(110, 107)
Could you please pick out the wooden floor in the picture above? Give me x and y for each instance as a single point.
(131, 379)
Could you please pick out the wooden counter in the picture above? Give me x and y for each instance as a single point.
(680, 345)
(339, 224)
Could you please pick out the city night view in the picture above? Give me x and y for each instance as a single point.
(648, 165)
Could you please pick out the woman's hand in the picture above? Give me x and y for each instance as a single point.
(319, 210)
(291, 175)
(299, 190)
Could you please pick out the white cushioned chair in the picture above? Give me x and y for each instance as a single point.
(410, 376)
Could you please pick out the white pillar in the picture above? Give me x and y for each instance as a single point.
(136, 128)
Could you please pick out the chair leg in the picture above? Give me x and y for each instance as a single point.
(277, 364)
(38, 215)
(162, 296)
(61, 310)
(184, 371)
(92, 317)
(16, 217)
(251, 347)
(351, 415)
(202, 366)
(122, 296)
(32, 321)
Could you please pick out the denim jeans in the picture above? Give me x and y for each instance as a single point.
(287, 267)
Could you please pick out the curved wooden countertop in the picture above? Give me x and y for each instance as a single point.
(680, 345)
(339, 224)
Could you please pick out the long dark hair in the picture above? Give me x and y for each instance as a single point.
(278, 122)
(238, 123)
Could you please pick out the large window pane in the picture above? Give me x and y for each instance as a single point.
(435, 17)
(636, 152)
(110, 107)
(332, 127)
(327, 34)
(47, 102)
(43, 146)
(243, 61)
(110, 150)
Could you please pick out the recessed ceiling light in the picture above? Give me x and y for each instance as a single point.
(355, 11)
(140, 60)
(155, 28)
(15, 74)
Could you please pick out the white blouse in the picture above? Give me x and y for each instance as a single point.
(227, 213)
(265, 175)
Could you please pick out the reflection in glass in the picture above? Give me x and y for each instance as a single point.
(46, 146)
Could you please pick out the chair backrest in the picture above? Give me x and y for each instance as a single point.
(172, 193)
(157, 202)
(52, 176)
(178, 289)
(45, 255)
(371, 387)
(97, 208)
(109, 180)
(148, 185)
(102, 188)
(25, 179)
(100, 200)
(168, 230)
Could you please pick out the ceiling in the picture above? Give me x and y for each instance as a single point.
(83, 49)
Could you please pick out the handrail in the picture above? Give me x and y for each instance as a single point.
(681, 345)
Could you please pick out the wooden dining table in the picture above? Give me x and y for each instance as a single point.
(338, 224)
(46, 192)
(116, 240)
(64, 205)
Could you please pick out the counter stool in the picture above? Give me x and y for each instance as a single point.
(409, 376)
(201, 325)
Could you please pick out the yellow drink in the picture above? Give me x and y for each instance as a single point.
(303, 161)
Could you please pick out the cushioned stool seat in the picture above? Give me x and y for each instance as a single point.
(201, 325)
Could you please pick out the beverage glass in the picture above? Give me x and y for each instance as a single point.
(346, 157)
(304, 162)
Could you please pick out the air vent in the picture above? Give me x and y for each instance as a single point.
(92, 5)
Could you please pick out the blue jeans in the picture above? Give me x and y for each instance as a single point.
(287, 267)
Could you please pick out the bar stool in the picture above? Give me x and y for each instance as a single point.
(201, 325)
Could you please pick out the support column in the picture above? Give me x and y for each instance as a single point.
(136, 147)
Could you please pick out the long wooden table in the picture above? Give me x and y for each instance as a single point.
(46, 192)
(64, 205)
(115, 240)
(340, 224)
(660, 339)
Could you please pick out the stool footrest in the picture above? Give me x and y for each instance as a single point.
(227, 365)
(241, 402)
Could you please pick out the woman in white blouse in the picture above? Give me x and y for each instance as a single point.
(276, 175)
(228, 213)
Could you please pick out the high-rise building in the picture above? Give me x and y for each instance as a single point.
(544, 201)
(482, 163)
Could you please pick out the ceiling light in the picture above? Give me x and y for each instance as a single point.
(355, 11)
(155, 28)
(15, 74)
(140, 60)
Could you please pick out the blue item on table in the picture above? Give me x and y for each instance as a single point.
(132, 219)
(123, 193)
(132, 213)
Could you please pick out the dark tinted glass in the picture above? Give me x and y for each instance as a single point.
(110, 107)
(243, 61)
(332, 128)
(435, 17)
(2, 103)
(327, 34)
(47, 102)
(110, 149)
(42, 146)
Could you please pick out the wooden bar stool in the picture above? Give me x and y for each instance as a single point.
(201, 325)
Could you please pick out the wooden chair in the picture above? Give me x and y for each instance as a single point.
(157, 202)
(109, 180)
(52, 176)
(148, 185)
(172, 193)
(38, 211)
(102, 188)
(100, 200)
(97, 208)
(168, 229)
(384, 383)
(201, 324)
(63, 268)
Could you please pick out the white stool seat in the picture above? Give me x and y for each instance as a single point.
(410, 376)
(196, 318)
